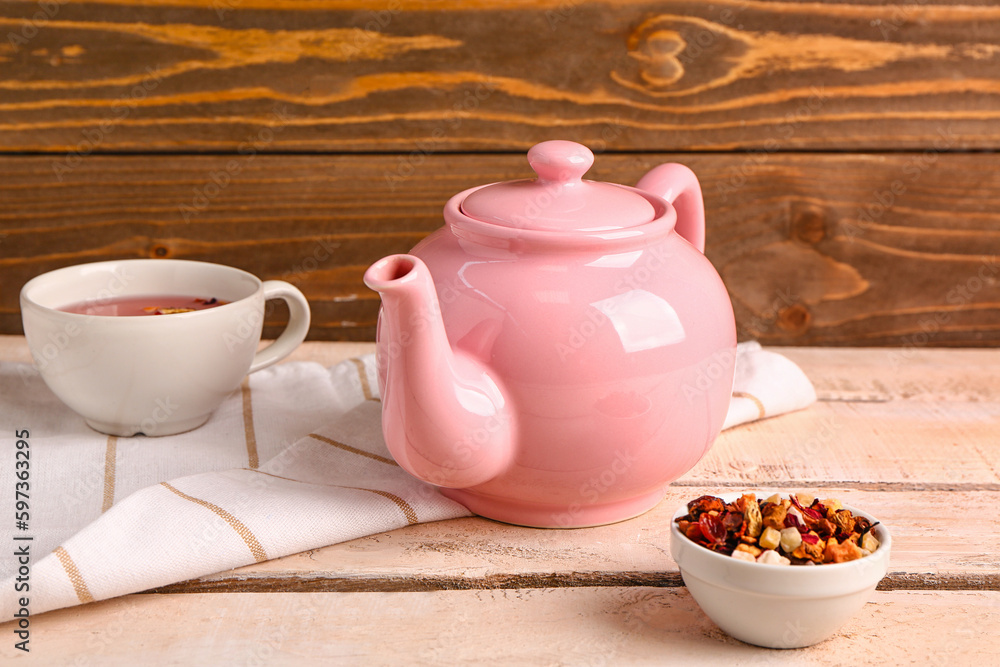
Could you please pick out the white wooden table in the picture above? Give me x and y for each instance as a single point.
(912, 435)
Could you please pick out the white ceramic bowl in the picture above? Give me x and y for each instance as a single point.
(778, 606)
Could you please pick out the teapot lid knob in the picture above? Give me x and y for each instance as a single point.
(560, 161)
(559, 199)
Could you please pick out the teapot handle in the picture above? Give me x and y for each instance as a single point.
(679, 186)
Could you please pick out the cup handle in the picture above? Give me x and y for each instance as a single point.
(296, 330)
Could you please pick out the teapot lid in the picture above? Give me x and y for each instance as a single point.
(559, 199)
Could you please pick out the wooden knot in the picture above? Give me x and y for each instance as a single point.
(794, 319)
(656, 54)
(679, 55)
(809, 226)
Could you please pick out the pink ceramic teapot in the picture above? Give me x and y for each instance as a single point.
(561, 349)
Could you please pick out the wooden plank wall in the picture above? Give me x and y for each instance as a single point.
(845, 148)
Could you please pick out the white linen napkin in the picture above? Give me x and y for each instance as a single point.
(766, 384)
(293, 461)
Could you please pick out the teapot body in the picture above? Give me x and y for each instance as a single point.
(614, 355)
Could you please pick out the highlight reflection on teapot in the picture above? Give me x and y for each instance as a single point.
(542, 356)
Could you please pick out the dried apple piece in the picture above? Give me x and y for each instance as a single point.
(754, 522)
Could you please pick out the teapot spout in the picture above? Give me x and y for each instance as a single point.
(444, 416)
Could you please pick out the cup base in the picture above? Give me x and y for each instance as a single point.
(161, 429)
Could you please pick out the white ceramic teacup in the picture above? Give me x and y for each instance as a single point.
(156, 375)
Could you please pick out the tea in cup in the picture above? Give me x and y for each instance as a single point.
(152, 346)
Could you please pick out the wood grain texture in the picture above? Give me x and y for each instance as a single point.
(906, 435)
(895, 431)
(567, 626)
(466, 554)
(816, 249)
(456, 591)
(213, 75)
(913, 373)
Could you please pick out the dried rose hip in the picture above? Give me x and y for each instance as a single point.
(733, 523)
(712, 528)
(693, 532)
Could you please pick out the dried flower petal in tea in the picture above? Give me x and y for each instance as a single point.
(800, 529)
